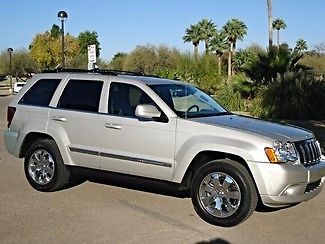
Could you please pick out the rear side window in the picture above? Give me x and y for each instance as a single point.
(40, 94)
(82, 95)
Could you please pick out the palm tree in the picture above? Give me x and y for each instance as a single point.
(279, 24)
(235, 29)
(219, 44)
(264, 69)
(207, 30)
(301, 45)
(269, 13)
(192, 34)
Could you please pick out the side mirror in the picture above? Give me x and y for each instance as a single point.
(147, 111)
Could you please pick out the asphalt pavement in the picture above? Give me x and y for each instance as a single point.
(105, 212)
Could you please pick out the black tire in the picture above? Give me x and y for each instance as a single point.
(245, 205)
(60, 175)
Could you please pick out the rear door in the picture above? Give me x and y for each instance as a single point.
(76, 118)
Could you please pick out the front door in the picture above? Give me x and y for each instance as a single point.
(131, 145)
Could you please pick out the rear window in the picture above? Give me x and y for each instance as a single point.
(82, 95)
(40, 94)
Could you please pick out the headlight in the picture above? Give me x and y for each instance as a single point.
(281, 152)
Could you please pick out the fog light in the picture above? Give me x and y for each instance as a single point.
(294, 190)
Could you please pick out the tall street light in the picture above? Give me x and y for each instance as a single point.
(10, 50)
(62, 15)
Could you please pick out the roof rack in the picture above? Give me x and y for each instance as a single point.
(95, 71)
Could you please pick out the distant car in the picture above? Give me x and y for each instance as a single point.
(18, 86)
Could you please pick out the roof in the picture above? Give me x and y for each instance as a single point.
(146, 79)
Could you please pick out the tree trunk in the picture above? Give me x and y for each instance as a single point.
(219, 65)
(230, 59)
(196, 50)
(269, 12)
(278, 39)
(233, 55)
(206, 47)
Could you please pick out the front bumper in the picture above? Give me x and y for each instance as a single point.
(284, 184)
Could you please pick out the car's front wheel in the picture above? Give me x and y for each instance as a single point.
(44, 167)
(223, 193)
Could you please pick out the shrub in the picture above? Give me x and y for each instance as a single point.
(117, 61)
(295, 95)
(22, 63)
(243, 85)
(201, 72)
(316, 61)
(172, 64)
(229, 98)
(149, 59)
(266, 67)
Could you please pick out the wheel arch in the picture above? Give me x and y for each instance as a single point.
(29, 139)
(206, 156)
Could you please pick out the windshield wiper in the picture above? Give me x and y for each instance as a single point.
(198, 115)
(223, 113)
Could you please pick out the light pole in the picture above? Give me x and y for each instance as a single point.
(10, 50)
(62, 15)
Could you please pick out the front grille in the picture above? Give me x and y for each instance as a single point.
(312, 186)
(309, 152)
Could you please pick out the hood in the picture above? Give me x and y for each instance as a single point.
(275, 131)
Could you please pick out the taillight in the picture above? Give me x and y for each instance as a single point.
(10, 114)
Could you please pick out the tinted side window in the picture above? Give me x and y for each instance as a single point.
(40, 94)
(81, 95)
(124, 98)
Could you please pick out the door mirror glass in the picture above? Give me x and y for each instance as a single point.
(147, 111)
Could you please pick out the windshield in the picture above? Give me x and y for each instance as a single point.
(187, 101)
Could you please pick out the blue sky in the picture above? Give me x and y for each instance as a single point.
(124, 24)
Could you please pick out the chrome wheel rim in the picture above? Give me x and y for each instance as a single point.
(41, 167)
(219, 194)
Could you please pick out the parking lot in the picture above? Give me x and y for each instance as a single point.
(104, 211)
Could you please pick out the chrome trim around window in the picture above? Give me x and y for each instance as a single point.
(121, 157)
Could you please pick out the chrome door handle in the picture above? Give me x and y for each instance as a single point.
(113, 126)
(56, 118)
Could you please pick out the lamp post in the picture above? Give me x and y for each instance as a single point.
(10, 50)
(62, 15)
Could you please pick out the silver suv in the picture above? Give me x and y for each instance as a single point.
(164, 130)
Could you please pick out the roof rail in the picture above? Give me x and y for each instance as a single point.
(122, 72)
(95, 71)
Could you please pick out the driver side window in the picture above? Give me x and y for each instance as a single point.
(124, 98)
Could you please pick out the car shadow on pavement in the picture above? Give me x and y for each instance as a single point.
(214, 241)
(74, 181)
(142, 185)
(261, 208)
(80, 175)
(150, 186)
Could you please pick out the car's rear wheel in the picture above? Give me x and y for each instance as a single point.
(223, 193)
(44, 167)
